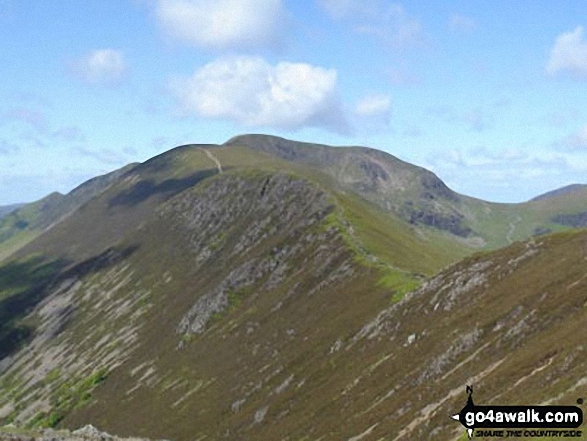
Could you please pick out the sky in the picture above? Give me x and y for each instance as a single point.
(491, 95)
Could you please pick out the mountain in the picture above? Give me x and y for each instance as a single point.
(564, 191)
(266, 289)
(7, 209)
(409, 191)
(27, 221)
(420, 198)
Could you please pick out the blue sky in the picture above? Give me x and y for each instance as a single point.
(490, 95)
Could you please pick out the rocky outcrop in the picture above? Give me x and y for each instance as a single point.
(577, 220)
(86, 433)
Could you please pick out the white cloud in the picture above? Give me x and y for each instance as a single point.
(461, 23)
(373, 113)
(250, 91)
(223, 24)
(388, 21)
(569, 55)
(374, 105)
(102, 66)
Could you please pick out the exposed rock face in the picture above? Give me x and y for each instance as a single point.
(577, 220)
(437, 188)
(86, 433)
(68, 357)
(245, 305)
(378, 177)
(448, 222)
(256, 238)
(276, 207)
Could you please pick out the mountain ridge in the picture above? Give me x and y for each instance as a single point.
(222, 292)
(411, 192)
(572, 188)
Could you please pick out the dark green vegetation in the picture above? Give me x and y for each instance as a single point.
(23, 283)
(7, 209)
(266, 289)
(21, 224)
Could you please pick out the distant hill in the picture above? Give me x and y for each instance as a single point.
(564, 191)
(420, 198)
(266, 288)
(408, 192)
(7, 209)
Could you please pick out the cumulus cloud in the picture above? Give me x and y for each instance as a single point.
(102, 66)
(461, 23)
(250, 91)
(223, 24)
(569, 55)
(387, 21)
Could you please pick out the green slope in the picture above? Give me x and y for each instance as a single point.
(7, 209)
(420, 198)
(126, 249)
(229, 292)
(22, 225)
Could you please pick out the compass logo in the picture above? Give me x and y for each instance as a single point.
(517, 421)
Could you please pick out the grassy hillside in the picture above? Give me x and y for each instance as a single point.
(395, 189)
(7, 209)
(22, 225)
(230, 292)
(420, 198)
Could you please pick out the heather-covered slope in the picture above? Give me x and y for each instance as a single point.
(221, 292)
(23, 224)
(250, 353)
(179, 247)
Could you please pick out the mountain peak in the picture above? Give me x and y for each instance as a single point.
(573, 188)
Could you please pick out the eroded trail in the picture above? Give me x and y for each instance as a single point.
(513, 224)
(215, 159)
